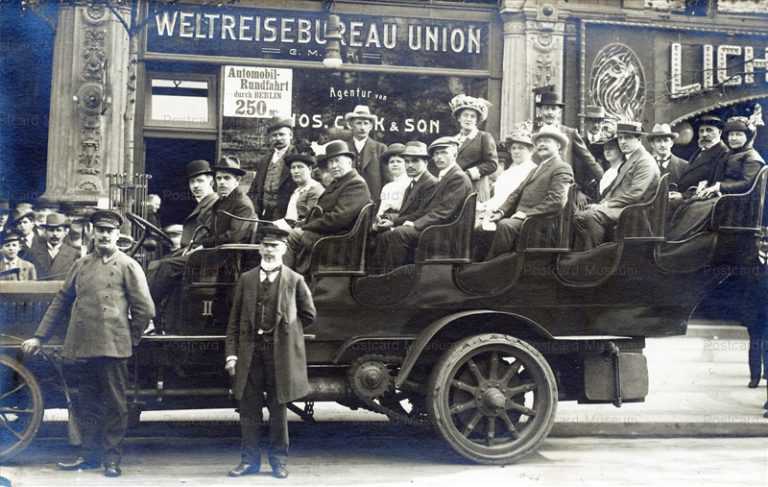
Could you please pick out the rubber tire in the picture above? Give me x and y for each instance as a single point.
(36, 394)
(442, 374)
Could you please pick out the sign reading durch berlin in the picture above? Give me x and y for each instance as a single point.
(263, 33)
(252, 92)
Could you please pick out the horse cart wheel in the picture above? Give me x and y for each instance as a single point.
(21, 407)
(493, 398)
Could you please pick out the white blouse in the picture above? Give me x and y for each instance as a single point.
(392, 195)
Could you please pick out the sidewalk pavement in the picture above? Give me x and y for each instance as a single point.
(697, 387)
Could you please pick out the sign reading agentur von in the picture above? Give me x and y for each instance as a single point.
(254, 92)
(279, 34)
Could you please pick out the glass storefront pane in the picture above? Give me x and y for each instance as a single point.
(180, 101)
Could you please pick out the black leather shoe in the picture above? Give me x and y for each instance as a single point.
(79, 463)
(244, 469)
(753, 383)
(279, 471)
(112, 470)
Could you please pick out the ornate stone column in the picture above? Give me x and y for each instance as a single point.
(533, 56)
(89, 95)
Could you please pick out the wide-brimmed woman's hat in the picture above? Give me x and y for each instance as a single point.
(520, 137)
(462, 102)
(395, 149)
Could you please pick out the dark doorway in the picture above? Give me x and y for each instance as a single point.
(165, 161)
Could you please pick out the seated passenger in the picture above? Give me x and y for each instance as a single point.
(520, 149)
(544, 191)
(737, 176)
(53, 259)
(395, 247)
(224, 228)
(307, 192)
(635, 181)
(340, 204)
(13, 267)
(392, 194)
(661, 139)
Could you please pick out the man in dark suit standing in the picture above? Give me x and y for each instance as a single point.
(705, 162)
(107, 297)
(53, 258)
(661, 139)
(586, 170)
(224, 228)
(272, 187)
(635, 181)
(543, 191)
(340, 205)
(394, 248)
(367, 151)
(265, 351)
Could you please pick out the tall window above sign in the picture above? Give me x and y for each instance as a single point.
(175, 101)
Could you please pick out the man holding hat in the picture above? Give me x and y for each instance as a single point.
(543, 191)
(366, 151)
(264, 349)
(340, 203)
(224, 228)
(586, 170)
(53, 259)
(661, 139)
(272, 188)
(13, 267)
(706, 161)
(395, 248)
(307, 192)
(107, 297)
(636, 181)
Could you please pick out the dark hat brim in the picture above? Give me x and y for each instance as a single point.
(200, 172)
(310, 161)
(232, 170)
(671, 135)
(324, 158)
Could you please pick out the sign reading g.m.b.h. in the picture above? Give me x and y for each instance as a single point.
(279, 34)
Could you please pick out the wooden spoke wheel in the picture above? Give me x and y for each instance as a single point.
(493, 398)
(21, 407)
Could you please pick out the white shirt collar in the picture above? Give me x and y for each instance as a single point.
(270, 276)
(359, 144)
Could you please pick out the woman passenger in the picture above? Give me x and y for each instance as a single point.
(477, 150)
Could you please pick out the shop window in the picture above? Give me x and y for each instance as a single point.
(181, 102)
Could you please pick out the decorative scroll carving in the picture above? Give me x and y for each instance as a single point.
(94, 56)
(617, 82)
(544, 71)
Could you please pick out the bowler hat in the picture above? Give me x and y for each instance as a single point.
(229, 164)
(54, 220)
(361, 111)
(271, 233)
(593, 112)
(336, 148)
(630, 128)
(395, 149)
(710, 120)
(307, 159)
(280, 122)
(443, 142)
(551, 132)
(106, 219)
(548, 98)
(198, 167)
(8, 236)
(415, 148)
(662, 130)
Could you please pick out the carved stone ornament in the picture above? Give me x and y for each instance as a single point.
(95, 13)
(89, 184)
(89, 159)
(544, 71)
(90, 98)
(94, 56)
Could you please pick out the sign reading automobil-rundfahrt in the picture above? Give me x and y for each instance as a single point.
(257, 92)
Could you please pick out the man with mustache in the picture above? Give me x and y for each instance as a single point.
(53, 259)
(107, 299)
(272, 187)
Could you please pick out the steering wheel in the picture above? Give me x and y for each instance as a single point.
(147, 228)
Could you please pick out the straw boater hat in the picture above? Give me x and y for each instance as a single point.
(229, 164)
(593, 112)
(395, 149)
(552, 133)
(662, 130)
(461, 102)
(630, 128)
(415, 148)
(361, 111)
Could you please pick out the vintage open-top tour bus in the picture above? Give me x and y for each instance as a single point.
(483, 351)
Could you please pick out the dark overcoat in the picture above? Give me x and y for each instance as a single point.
(415, 199)
(675, 168)
(228, 230)
(341, 204)
(369, 165)
(295, 310)
(49, 268)
(446, 199)
(285, 189)
(202, 215)
(703, 166)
